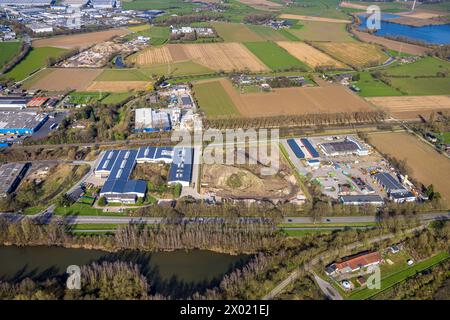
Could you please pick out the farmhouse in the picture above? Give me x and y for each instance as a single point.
(117, 165)
(354, 263)
(10, 176)
(21, 122)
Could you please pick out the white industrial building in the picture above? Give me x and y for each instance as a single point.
(40, 27)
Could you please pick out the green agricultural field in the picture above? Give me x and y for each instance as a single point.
(122, 75)
(273, 56)
(176, 69)
(428, 66)
(321, 31)
(322, 8)
(36, 59)
(371, 87)
(213, 99)
(87, 97)
(421, 86)
(116, 98)
(158, 35)
(236, 32)
(268, 33)
(399, 275)
(8, 50)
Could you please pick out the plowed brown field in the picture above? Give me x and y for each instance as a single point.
(119, 86)
(66, 79)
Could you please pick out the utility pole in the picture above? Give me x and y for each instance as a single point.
(414, 5)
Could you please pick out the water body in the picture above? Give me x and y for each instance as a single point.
(178, 273)
(432, 34)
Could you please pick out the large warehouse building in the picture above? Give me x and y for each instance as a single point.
(117, 165)
(396, 191)
(21, 122)
(10, 103)
(10, 176)
(153, 120)
(345, 147)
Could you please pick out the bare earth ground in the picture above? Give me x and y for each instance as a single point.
(296, 101)
(421, 14)
(216, 56)
(353, 53)
(246, 181)
(261, 4)
(310, 55)
(310, 18)
(410, 107)
(427, 165)
(345, 4)
(81, 41)
(67, 79)
(391, 44)
(119, 86)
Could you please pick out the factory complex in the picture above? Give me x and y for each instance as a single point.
(21, 123)
(116, 167)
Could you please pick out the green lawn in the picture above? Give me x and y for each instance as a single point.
(273, 56)
(158, 35)
(444, 137)
(213, 99)
(36, 59)
(371, 87)
(268, 33)
(80, 209)
(93, 226)
(396, 277)
(302, 233)
(327, 225)
(116, 98)
(122, 75)
(8, 50)
(427, 66)
(87, 97)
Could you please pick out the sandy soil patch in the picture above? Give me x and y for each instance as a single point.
(391, 44)
(311, 18)
(345, 4)
(118, 86)
(410, 107)
(67, 79)
(310, 55)
(82, 40)
(296, 101)
(421, 14)
(425, 164)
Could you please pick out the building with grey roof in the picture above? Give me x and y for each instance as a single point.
(345, 147)
(21, 122)
(26, 2)
(103, 4)
(10, 176)
(374, 200)
(396, 191)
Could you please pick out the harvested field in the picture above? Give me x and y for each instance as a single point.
(424, 163)
(310, 55)
(261, 4)
(411, 107)
(216, 56)
(158, 55)
(295, 101)
(81, 41)
(311, 18)
(62, 79)
(391, 44)
(350, 5)
(354, 54)
(119, 86)
(421, 14)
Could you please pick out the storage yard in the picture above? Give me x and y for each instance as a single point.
(348, 170)
(216, 56)
(426, 165)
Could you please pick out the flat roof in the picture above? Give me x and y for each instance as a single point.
(361, 198)
(181, 168)
(340, 146)
(20, 119)
(8, 174)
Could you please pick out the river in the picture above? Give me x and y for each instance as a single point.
(168, 272)
(432, 34)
